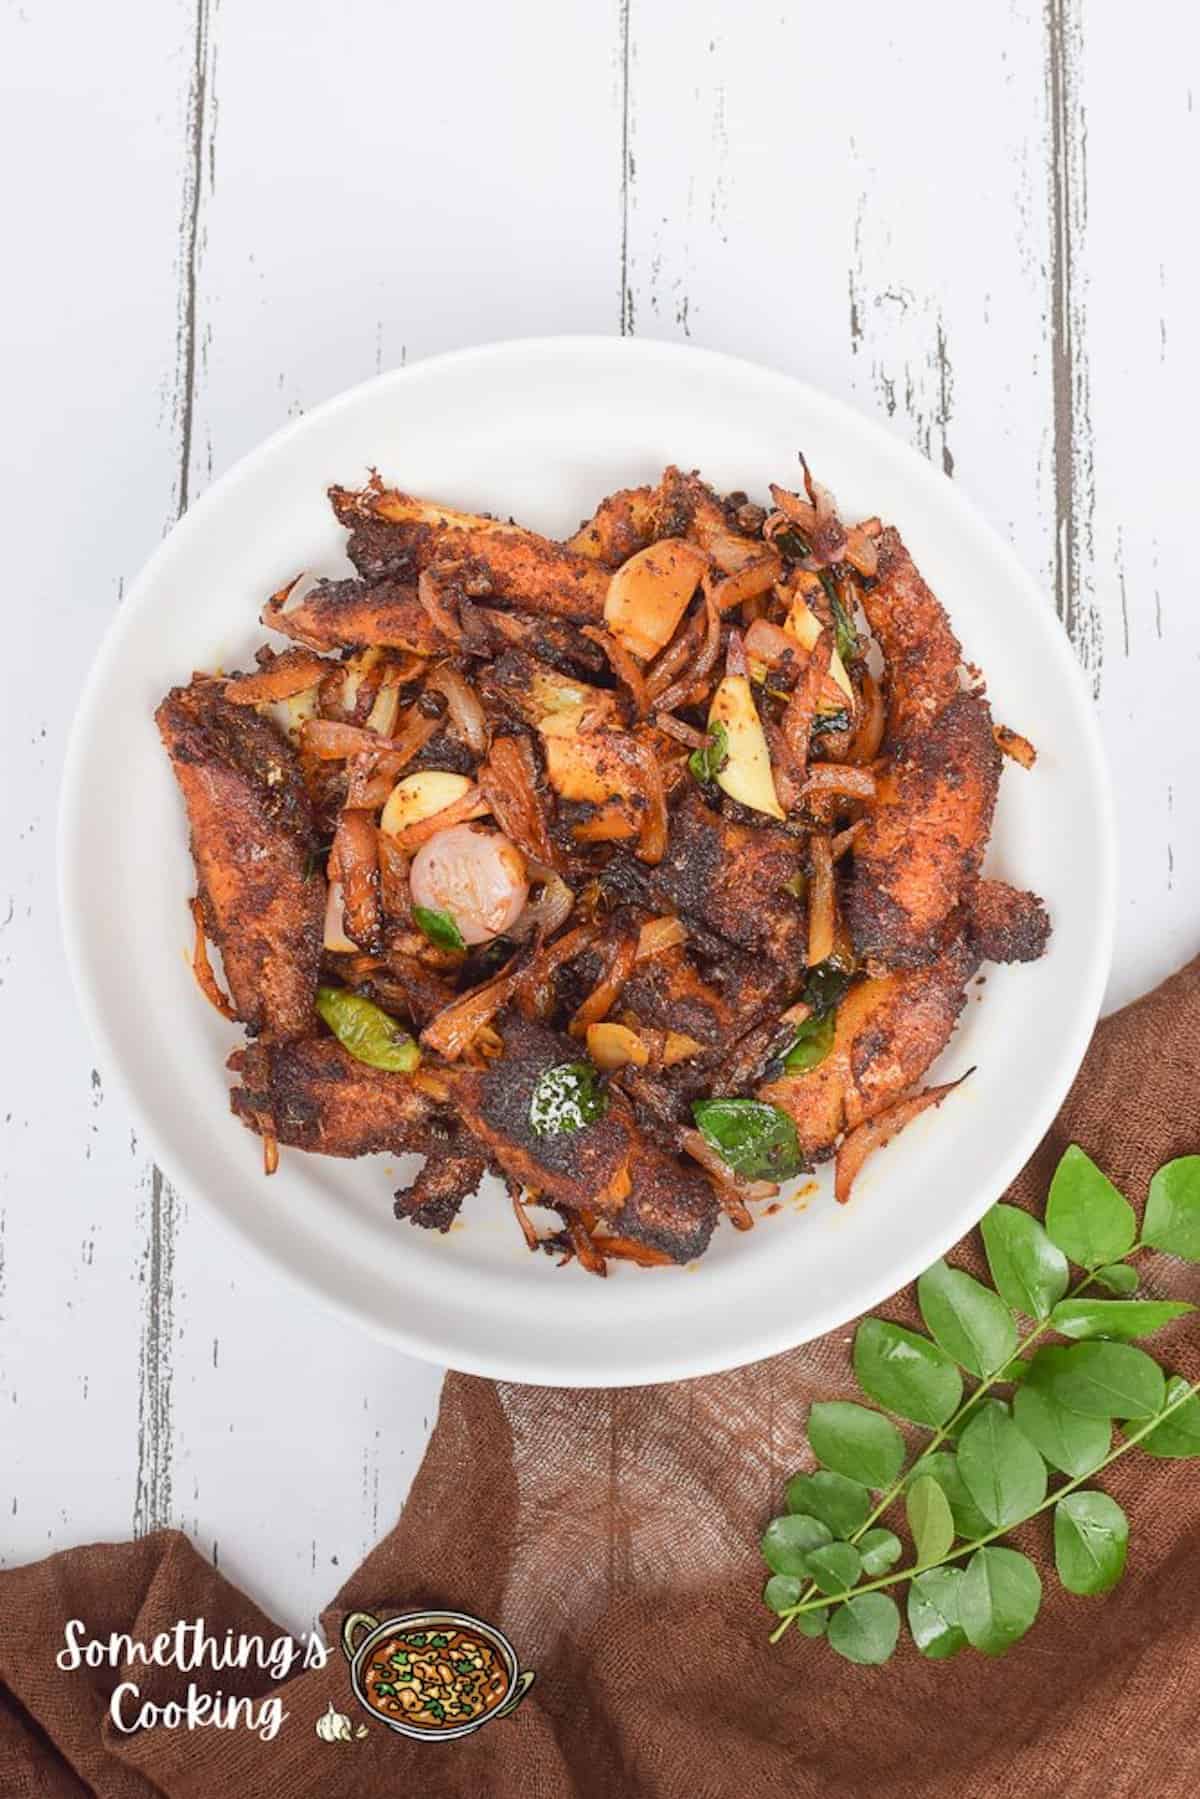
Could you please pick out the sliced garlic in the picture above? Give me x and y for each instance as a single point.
(648, 594)
(615, 1045)
(746, 776)
(335, 922)
(420, 796)
(804, 625)
(291, 713)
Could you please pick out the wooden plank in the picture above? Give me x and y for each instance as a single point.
(90, 131)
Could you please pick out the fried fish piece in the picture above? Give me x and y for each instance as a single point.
(504, 561)
(1006, 924)
(888, 1032)
(347, 614)
(622, 524)
(716, 1004)
(254, 843)
(608, 1167)
(435, 1197)
(921, 654)
(734, 879)
(917, 857)
(312, 1094)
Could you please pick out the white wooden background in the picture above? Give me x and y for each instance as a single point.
(973, 221)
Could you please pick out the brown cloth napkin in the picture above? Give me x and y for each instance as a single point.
(612, 1536)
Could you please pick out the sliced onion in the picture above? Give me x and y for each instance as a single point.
(545, 914)
(861, 1142)
(466, 713)
(839, 777)
(822, 917)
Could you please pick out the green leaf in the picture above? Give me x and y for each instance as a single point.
(880, 1550)
(930, 1520)
(1108, 1380)
(1172, 1220)
(1091, 1538)
(565, 1098)
(969, 1521)
(1015, 1371)
(440, 927)
(707, 763)
(814, 1623)
(933, 1600)
(1003, 1472)
(971, 1323)
(835, 1568)
(955, 1429)
(811, 1044)
(1030, 1272)
(906, 1373)
(855, 1441)
(1085, 1215)
(370, 1034)
(840, 1503)
(783, 1591)
(1178, 1436)
(865, 1629)
(825, 986)
(999, 1598)
(1117, 1277)
(1118, 1319)
(1069, 1442)
(786, 1542)
(751, 1137)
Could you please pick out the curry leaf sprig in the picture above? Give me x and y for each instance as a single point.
(1035, 1426)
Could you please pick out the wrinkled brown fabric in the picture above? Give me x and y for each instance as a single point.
(612, 1535)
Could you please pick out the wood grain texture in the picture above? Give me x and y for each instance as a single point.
(963, 220)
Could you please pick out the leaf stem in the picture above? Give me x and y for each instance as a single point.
(888, 1580)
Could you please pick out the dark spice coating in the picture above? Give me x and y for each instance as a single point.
(921, 654)
(316, 1096)
(918, 856)
(1006, 924)
(335, 614)
(435, 1197)
(253, 839)
(732, 877)
(714, 1004)
(888, 1032)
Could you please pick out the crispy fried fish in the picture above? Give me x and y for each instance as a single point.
(1006, 924)
(918, 855)
(921, 654)
(346, 614)
(253, 842)
(607, 1167)
(515, 566)
(733, 878)
(315, 1095)
(888, 1032)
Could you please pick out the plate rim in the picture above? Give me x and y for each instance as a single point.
(764, 1342)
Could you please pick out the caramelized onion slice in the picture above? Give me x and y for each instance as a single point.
(860, 1142)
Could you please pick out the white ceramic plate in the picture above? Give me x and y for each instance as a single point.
(541, 430)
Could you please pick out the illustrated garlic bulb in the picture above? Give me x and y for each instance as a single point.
(334, 1726)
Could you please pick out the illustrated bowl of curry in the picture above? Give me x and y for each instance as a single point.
(432, 1674)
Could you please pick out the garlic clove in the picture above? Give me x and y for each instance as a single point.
(420, 796)
(746, 776)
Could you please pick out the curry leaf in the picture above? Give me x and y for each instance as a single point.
(835, 1567)
(1091, 1537)
(811, 1044)
(855, 1441)
(1108, 1380)
(814, 1623)
(1003, 1472)
(840, 1503)
(1073, 1444)
(706, 763)
(1085, 1215)
(1178, 1436)
(1030, 1271)
(1172, 1220)
(865, 1629)
(969, 1521)
(971, 1323)
(783, 1591)
(1117, 1277)
(441, 928)
(1118, 1319)
(999, 1598)
(786, 1542)
(905, 1372)
(880, 1550)
(754, 1139)
(930, 1520)
(933, 1601)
